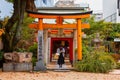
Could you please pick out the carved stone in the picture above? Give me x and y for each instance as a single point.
(18, 57)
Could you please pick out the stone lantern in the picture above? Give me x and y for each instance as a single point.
(97, 41)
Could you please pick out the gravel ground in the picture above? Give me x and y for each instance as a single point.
(52, 75)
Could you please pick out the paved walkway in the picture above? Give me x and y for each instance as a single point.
(54, 66)
(62, 75)
(67, 67)
(116, 71)
(52, 75)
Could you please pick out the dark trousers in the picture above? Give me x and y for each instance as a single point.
(60, 65)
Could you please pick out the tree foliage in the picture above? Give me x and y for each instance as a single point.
(115, 30)
(10, 1)
(13, 27)
(105, 29)
(27, 35)
(26, 32)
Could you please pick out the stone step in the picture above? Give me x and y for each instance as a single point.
(61, 70)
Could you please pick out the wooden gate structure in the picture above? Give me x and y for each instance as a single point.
(59, 14)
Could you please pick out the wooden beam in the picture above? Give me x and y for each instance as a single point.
(59, 25)
(56, 16)
(85, 25)
(53, 31)
(43, 16)
(67, 31)
(64, 31)
(76, 16)
(35, 25)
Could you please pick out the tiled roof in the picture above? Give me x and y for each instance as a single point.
(65, 4)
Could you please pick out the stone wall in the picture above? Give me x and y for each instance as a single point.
(17, 61)
(8, 67)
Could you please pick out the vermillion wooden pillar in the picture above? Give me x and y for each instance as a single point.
(79, 39)
(40, 24)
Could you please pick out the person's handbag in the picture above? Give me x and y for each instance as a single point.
(56, 56)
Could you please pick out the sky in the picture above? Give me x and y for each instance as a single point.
(6, 8)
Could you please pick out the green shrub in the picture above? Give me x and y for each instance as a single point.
(21, 50)
(34, 60)
(33, 49)
(98, 62)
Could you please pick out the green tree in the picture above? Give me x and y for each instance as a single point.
(104, 28)
(13, 26)
(95, 26)
(27, 35)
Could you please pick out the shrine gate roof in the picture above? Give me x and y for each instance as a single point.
(60, 11)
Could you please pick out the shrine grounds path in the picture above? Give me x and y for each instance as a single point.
(52, 75)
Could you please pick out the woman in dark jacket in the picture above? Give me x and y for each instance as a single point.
(61, 60)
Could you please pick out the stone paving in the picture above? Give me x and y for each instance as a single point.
(59, 75)
(116, 72)
(52, 75)
(54, 65)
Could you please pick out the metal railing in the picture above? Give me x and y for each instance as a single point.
(111, 18)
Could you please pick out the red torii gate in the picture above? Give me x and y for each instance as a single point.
(59, 14)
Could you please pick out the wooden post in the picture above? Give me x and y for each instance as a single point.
(40, 22)
(79, 39)
(59, 20)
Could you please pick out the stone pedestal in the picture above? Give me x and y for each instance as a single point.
(40, 66)
(16, 67)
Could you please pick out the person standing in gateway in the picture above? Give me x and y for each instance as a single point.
(61, 57)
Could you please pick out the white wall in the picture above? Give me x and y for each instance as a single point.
(95, 5)
(109, 7)
(118, 17)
